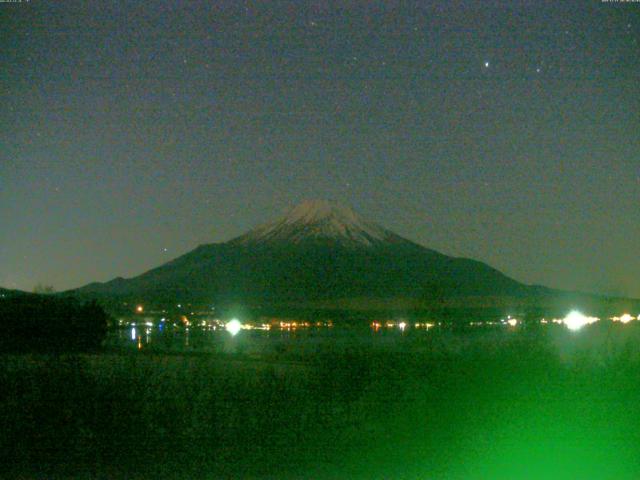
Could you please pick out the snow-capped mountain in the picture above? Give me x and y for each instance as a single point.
(318, 253)
(320, 220)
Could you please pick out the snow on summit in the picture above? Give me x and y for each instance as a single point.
(319, 219)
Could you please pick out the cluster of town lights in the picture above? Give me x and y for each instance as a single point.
(626, 318)
(402, 325)
(574, 321)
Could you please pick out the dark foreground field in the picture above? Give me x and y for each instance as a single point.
(543, 404)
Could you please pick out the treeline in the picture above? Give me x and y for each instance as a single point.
(32, 322)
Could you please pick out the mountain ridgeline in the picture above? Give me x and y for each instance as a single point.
(318, 254)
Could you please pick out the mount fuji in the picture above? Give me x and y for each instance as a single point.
(320, 221)
(319, 254)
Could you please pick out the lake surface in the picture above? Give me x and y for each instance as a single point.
(293, 344)
(161, 338)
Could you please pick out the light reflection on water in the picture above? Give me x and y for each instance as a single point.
(296, 344)
(167, 338)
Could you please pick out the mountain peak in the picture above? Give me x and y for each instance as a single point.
(319, 220)
(319, 210)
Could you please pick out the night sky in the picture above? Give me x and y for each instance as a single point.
(508, 132)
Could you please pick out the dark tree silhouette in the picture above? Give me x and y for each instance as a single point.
(46, 323)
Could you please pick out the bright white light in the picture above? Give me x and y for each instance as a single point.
(512, 322)
(402, 325)
(626, 318)
(133, 333)
(233, 326)
(576, 320)
(486, 64)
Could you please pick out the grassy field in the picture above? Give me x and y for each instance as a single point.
(495, 404)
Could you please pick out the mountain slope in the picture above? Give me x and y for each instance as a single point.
(319, 220)
(318, 251)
